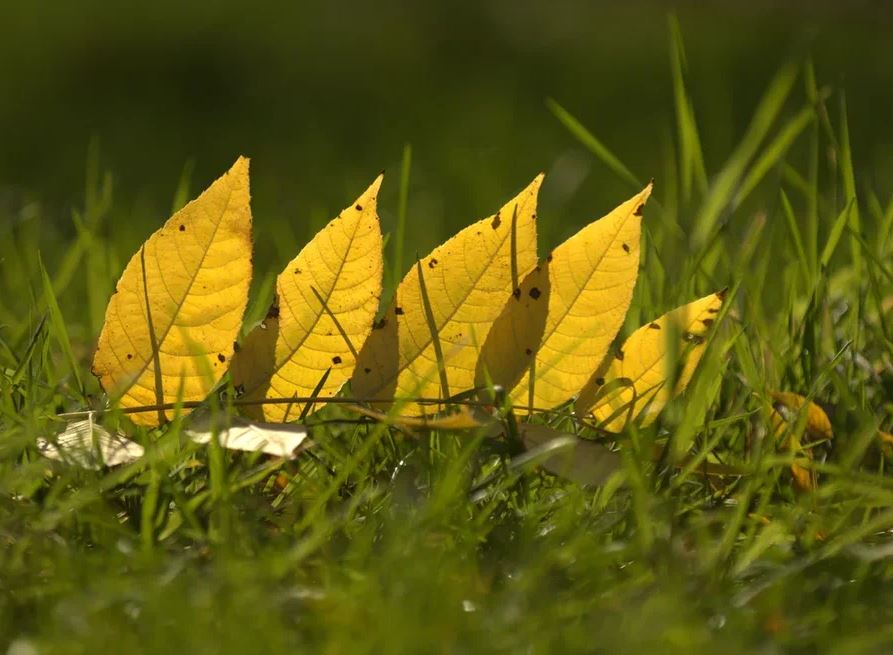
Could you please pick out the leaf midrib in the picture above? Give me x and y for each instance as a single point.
(327, 296)
(181, 302)
(429, 340)
(582, 287)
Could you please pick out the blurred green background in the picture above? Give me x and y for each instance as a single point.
(324, 95)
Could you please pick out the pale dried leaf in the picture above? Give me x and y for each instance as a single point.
(277, 439)
(90, 446)
(568, 456)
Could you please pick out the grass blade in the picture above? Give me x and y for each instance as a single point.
(837, 229)
(58, 325)
(849, 184)
(775, 151)
(722, 191)
(691, 157)
(795, 234)
(402, 203)
(596, 147)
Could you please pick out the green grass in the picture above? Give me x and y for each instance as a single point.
(374, 541)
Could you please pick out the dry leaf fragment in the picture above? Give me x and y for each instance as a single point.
(326, 301)
(590, 284)
(277, 439)
(430, 338)
(171, 324)
(633, 388)
(566, 455)
(90, 446)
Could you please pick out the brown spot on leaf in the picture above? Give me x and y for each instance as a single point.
(497, 221)
(336, 359)
(517, 293)
(639, 210)
(182, 228)
(625, 247)
(654, 326)
(129, 356)
(691, 337)
(707, 322)
(432, 262)
(297, 271)
(535, 293)
(721, 294)
(359, 207)
(221, 358)
(398, 311)
(236, 347)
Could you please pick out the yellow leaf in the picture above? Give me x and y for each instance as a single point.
(326, 300)
(796, 426)
(785, 408)
(631, 386)
(513, 341)
(590, 284)
(170, 327)
(429, 340)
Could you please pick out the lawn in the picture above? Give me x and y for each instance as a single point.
(772, 167)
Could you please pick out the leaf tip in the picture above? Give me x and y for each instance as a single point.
(533, 188)
(642, 198)
(369, 198)
(722, 293)
(241, 165)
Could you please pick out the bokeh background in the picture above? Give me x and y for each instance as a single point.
(323, 95)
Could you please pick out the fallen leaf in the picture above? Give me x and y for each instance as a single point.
(234, 433)
(797, 421)
(566, 455)
(634, 387)
(326, 301)
(171, 324)
(512, 344)
(786, 407)
(590, 284)
(90, 446)
(428, 342)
